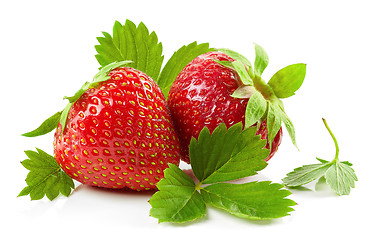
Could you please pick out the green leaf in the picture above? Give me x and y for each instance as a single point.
(255, 109)
(64, 116)
(227, 154)
(242, 72)
(338, 175)
(261, 59)
(107, 51)
(273, 122)
(305, 174)
(341, 177)
(235, 56)
(288, 80)
(177, 62)
(253, 200)
(134, 43)
(47, 126)
(288, 124)
(45, 178)
(177, 199)
(275, 116)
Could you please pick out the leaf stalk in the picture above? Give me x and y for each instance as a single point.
(263, 88)
(336, 159)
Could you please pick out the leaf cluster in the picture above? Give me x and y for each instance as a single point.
(224, 155)
(134, 43)
(265, 98)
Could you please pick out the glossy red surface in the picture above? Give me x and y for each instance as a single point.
(200, 97)
(119, 134)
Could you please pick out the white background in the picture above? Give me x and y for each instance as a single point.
(47, 52)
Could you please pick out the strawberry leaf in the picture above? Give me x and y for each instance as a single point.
(273, 122)
(134, 43)
(242, 72)
(177, 62)
(261, 59)
(283, 84)
(45, 178)
(305, 174)
(47, 126)
(338, 175)
(253, 200)
(64, 115)
(227, 154)
(177, 199)
(264, 99)
(288, 124)
(255, 109)
(341, 177)
(288, 80)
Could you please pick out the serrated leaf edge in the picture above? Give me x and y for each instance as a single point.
(291, 174)
(243, 215)
(29, 188)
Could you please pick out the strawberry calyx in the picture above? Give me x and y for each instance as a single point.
(60, 117)
(265, 97)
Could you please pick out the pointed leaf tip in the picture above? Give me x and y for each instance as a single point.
(227, 154)
(288, 80)
(47, 126)
(261, 59)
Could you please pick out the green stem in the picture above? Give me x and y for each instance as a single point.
(334, 140)
(263, 88)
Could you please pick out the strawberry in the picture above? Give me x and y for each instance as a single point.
(201, 97)
(118, 134)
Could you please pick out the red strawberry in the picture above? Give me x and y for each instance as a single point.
(201, 96)
(118, 134)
